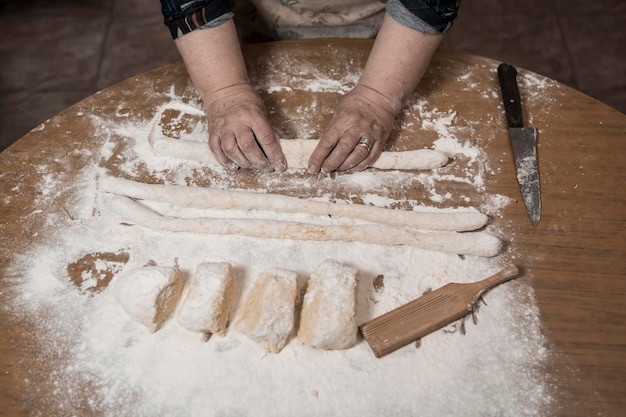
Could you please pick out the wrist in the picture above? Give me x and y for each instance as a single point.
(214, 93)
(391, 104)
(232, 98)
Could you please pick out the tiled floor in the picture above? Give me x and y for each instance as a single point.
(55, 53)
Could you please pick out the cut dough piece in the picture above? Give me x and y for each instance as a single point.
(208, 299)
(328, 317)
(149, 294)
(268, 313)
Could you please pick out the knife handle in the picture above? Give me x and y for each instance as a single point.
(507, 75)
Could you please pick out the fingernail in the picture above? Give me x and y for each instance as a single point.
(313, 169)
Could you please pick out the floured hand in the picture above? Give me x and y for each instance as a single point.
(239, 133)
(357, 134)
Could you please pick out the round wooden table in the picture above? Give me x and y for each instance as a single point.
(575, 259)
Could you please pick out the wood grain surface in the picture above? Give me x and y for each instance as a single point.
(575, 259)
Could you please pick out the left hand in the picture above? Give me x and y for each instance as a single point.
(239, 133)
(362, 113)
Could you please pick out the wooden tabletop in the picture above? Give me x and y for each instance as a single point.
(575, 259)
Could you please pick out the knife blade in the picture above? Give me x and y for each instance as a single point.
(523, 143)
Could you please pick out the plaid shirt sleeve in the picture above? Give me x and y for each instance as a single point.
(184, 16)
(430, 16)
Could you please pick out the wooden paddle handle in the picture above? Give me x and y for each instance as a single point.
(506, 274)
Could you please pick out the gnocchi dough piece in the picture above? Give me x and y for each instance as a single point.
(149, 294)
(267, 315)
(328, 317)
(208, 298)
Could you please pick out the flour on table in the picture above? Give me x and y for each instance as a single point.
(135, 372)
(494, 369)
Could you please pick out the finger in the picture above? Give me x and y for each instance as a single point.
(248, 144)
(374, 154)
(325, 146)
(360, 152)
(271, 147)
(216, 148)
(230, 147)
(345, 146)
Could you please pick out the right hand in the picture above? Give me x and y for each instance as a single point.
(362, 113)
(240, 135)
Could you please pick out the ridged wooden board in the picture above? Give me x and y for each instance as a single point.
(428, 313)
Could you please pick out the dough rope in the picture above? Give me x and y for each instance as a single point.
(477, 243)
(296, 151)
(205, 198)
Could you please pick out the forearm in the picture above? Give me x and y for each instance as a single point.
(213, 58)
(398, 61)
(239, 132)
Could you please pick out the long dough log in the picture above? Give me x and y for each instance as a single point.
(298, 151)
(204, 198)
(477, 243)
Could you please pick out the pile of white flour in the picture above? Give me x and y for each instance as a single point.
(122, 369)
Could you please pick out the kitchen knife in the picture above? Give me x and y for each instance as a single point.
(523, 142)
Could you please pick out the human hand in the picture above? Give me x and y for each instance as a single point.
(239, 133)
(357, 134)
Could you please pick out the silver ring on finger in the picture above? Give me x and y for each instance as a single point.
(365, 142)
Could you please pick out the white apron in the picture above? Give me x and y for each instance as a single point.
(293, 19)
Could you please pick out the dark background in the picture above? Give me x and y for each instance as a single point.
(54, 53)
